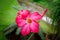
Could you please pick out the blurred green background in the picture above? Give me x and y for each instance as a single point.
(7, 14)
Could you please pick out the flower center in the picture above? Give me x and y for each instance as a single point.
(29, 20)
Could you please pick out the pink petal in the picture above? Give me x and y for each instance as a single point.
(24, 12)
(36, 16)
(34, 27)
(25, 30)
(20, 21)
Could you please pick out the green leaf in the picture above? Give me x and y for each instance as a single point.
(47, 28)
(7, 12)
(18, 31)
(2, 36)
(10, 28)
(41, 34)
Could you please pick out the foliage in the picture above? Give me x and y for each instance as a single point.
(56, 17)
(2, 37)
(7, 14)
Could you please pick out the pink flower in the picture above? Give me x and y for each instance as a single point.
(28, 22)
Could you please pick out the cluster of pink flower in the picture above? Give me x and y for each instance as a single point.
(28, 21)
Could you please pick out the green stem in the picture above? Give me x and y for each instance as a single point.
(30, 36)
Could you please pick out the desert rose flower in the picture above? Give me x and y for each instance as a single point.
(28, 22)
